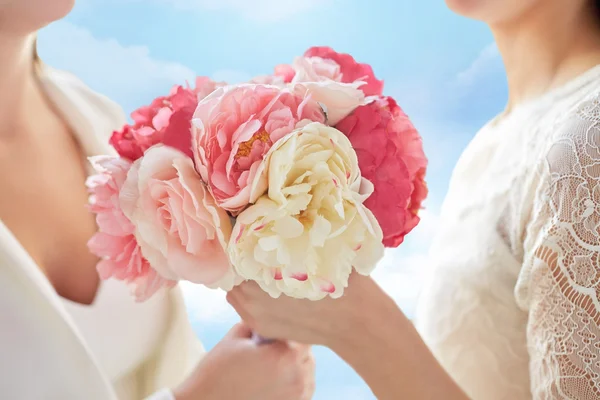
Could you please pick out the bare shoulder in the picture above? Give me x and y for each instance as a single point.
(90, 103)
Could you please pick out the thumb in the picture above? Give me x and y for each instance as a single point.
(239, 331)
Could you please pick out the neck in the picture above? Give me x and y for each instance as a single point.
(548, 46)
(18, 86)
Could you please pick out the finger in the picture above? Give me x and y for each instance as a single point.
(232, 295)
(239, 331)
(250, 288)
(237, 305)
(301, 347)
(277, 348)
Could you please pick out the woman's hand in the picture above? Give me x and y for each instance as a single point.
(323, 322)
(240, 369)
(364, 327)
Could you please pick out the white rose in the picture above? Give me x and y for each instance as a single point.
(303, 237)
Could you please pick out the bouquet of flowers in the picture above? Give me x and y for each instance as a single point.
(292, 180)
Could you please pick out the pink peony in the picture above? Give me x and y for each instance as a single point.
(390, 155)
(268, 80)
(285, 72)
(114, 243)
(180, 229)
(351, 70)
(166, 120)
(234, 127)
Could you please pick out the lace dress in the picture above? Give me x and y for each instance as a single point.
(512, 306)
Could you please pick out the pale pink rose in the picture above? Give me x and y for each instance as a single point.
(104, 189)
(322, 81)
(233, 129)
(337, 99)
(285, 71)
(269, 80)
(316, 69)
(114, 243)
(350, 69)
(179, 228)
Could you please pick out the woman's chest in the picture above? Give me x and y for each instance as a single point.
(43, 202)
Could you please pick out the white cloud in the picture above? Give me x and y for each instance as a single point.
(259, 10)
(489, 58)
(231, 76)
(127, 74)
(207, 305)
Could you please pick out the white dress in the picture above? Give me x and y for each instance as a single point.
(512, 307)
(122, 334)
(115, 349)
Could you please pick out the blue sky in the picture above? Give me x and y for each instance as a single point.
(443, 70)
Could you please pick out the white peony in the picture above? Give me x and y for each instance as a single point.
(303, 237)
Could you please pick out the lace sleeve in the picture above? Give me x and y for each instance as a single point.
(563, 264)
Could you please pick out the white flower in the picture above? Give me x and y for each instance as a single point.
(338, 99)
(303, 237)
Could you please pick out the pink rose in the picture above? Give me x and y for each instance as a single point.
(180, 229)
(351, 70)
(114, 243)
(166, 120)
(234, 127)
(268, 80)
(390, 155)
(321, 79)
(285, 71)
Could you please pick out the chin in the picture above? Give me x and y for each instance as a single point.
(466, 8)
(27, 16)
(53, 10)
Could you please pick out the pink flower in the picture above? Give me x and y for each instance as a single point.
(180, 229)
(316, 69)
(337, 99)
(321, 79)
(390, 155)
(268, 80)
(351, 70)
(286, 72)
(234, 127)
(114, 243)
(166, 120)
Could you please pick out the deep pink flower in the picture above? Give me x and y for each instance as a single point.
(390, 155)
(351, 70)
(115, 243)
(166, 120)
(234, 127)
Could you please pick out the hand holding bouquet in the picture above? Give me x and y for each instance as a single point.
(292, 181)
